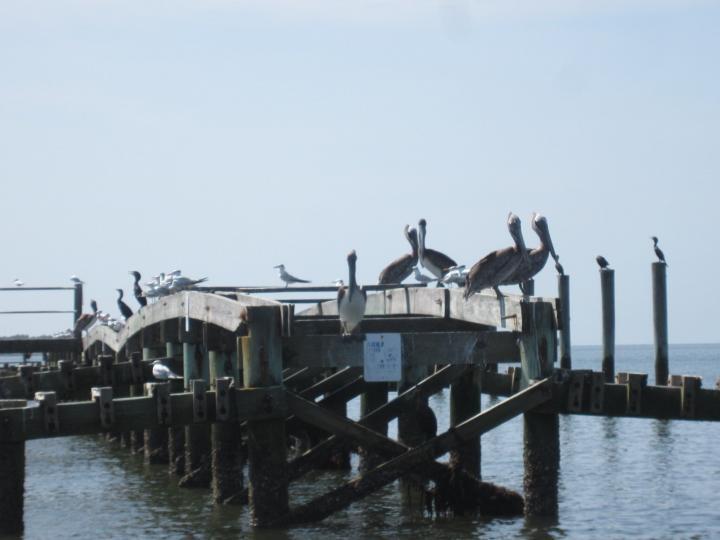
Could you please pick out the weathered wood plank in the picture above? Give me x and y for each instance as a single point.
(424, 349)
(448, 303)
(304, 326)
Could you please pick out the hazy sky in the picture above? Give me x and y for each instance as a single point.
(224, 137)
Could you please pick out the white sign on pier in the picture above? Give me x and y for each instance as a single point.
(382, 357)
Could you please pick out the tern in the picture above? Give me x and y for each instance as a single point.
(288, 278)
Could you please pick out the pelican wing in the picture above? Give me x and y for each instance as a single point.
(398, 270)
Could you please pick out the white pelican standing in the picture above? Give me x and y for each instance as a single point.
(495, 267)
(351, 300)
(288, 278)
(436, 262)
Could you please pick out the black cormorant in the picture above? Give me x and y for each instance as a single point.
(124, 308)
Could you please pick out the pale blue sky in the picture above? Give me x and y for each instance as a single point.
(225, 137)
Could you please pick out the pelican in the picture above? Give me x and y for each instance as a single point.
(602, 262)
(351, 300)
(122, 306)
(86, 320)
(536, 257)
(162, 373)
(288, 278)
(398, 270)
(495, 267)
(18, 282)
(436, 262)
(658, 251)
(137, 290)
(422, 278)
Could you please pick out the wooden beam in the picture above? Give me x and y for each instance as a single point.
(305, 326)
(341, 497)
(448, 303)
(424, 349)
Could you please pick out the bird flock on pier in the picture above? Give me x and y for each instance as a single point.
(515, 264)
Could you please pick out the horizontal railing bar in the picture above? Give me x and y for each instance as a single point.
(34, 311)
(23, 288)
(298, 289)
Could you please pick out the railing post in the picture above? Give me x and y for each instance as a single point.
(262, 367)
(660, 322)
(607, 287)
(564, 300)
(541, 450)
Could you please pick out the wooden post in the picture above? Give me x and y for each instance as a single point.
(12, 477)
(262, 367)
(660, 322)
(564, 299)
(227, 453)
(376, 396)
(77, 304)
(176, 435)
(155, 440)
(197, 436)
(409, 429)
(541, 451)
(465, 403)
(607, 287)
(529, 287)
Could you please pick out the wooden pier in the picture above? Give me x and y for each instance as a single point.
(257, 375)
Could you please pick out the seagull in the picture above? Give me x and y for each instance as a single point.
(456, 275)
(122, 306)
(137, 290)
(422, 278)
(288, 278)
(18, 283)
(602, 262)
(402, 267)
(180, 283)
(435, 261)
(339, 283)
(162, 373)
(76, 280)
(495, 267)
(658, 251)
(351, 300)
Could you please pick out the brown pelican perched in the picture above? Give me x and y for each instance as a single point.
(137, 290)
(86, 320)
(602, 262)
(351, 300)
(398, 270)
(536, 257)
(496, 267)
(122, 306)
(435, 261)
(658, 251)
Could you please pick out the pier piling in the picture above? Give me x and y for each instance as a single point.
(373, 398)
(607, 287)
(660, 322)
(564, 315)
(12, 476)
(464, 404)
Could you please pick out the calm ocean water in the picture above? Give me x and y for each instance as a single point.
(620, 478)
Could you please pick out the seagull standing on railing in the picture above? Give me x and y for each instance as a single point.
(18, 283)
(137, 290)
(122, 306)
(422, 278)
(162, 373)
(455, 275)
(288, 278)
(351, 300)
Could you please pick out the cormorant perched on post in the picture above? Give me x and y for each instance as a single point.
(402, 267)
(435, 261)
(288, 278)
(86, 319)
(137, 290)
(495, 267)
(124, 308)
(602, 262)
(536, 257)
(658, 251)
(351, 300)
